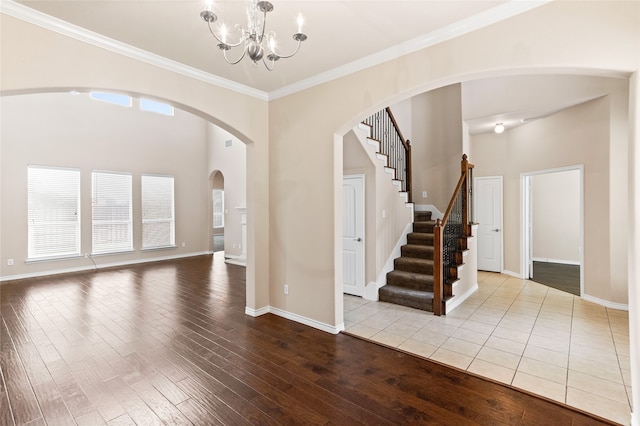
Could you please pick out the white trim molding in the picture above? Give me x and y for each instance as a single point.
(499, 13)
(606, 303)
(24, 13)
(295, 317)
(100, 266)
(457, 301)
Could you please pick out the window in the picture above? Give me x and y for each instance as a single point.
(53, 212)
(158, 224)
(111, 212)
(155, 106)
(218, 208)
(112, 98)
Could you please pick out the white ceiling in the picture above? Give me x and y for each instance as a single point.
(343, 36)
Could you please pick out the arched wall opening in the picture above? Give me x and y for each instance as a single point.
(200, 123)
(619, 146)
(217, 211)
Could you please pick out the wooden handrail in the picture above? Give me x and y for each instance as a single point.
(462, 188)
(395, 124)
(390, 136)
(456, 191)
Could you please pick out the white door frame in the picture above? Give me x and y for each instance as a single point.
(362, 261)
(475, 201)
(526, 214)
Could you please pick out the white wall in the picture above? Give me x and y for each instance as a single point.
(556, 216)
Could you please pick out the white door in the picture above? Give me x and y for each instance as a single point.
(353, 234)
(488, 215)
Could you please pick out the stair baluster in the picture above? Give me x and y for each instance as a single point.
(450, 235)
(384, 129)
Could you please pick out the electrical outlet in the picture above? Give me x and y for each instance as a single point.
(286, 289)
(184, 244)
(86, 255)
(10, 262)
(424, 194)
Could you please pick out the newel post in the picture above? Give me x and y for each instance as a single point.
(437, 268)
(408, 166)
(465, 194)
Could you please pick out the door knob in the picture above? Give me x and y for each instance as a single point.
(357, 239)
(496, 230)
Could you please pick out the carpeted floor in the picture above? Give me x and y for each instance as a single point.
(558, 275)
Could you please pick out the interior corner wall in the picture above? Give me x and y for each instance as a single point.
(436, 126)
(578, 135)
(231, 161)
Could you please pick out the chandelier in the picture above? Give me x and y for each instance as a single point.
(254, 40)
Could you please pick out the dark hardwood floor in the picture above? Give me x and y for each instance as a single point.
(558, 275)
(169, 343)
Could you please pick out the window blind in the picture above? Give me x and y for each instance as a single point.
(158, 224)
(53, 212)
(111, 212)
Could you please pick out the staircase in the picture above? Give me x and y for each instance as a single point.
(411, 282)
(429, 265)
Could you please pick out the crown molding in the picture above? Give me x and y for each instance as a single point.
(491, 16)
(24, 13)
(499, 13)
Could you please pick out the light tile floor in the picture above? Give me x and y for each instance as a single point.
(518, 332)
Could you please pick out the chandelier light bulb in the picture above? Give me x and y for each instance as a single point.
(300, 22)
(499, 128)
(223, 33)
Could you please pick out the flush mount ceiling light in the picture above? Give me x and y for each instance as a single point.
(254, 40)
(499, 128)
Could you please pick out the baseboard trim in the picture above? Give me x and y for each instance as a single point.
(236, 260)
(606, 303)
(295, 317)
(511, 273)
(100, 266)
(457, 301)
(256, 312)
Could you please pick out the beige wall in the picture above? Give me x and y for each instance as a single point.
(577, 136)
(28, 50)
(294, 164)
(586, 40)
(556, 216)
(231, 161)
(74, 131)
(436, 123)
